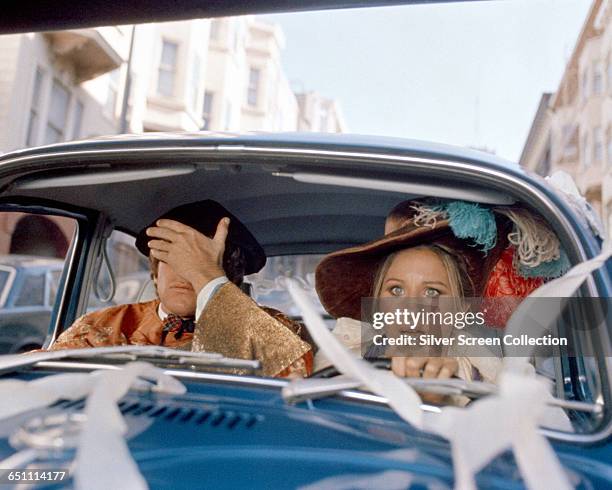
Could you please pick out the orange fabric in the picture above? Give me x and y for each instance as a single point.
(133, 324)
(299, 369)
(139, 324)
(508, 287)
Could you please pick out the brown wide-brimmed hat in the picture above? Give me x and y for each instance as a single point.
(204, 216)
(346, 276)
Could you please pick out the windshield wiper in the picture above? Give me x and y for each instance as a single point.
(151, 353)
(311, 389)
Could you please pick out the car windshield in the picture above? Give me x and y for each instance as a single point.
(507, 84)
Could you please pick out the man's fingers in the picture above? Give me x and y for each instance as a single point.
(162, 245)
(159, 254)
(175, 226)
(162, 233)
(221, 232)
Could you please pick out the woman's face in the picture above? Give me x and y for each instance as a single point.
(416, 273)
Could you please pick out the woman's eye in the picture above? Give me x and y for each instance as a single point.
(432, 293)
(397, 291)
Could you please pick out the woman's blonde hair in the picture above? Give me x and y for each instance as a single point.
(459, 279)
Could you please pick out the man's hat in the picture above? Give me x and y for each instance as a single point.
(346, 276)
(204, 216)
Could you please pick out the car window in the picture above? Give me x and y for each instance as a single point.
(130, 270)
(32, 248)
(4, 278)
(54, 279)
(269, 289)
(32, 290)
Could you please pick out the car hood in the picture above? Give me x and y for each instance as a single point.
(224, 435)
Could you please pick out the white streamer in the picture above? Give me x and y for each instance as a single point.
(401, 397)
(535, 321)
(487, 427)
(101, 442)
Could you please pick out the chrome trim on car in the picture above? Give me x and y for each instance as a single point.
(243, 380)
(69, 261)
(9, 283)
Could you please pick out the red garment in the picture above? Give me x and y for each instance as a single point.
(505, 290)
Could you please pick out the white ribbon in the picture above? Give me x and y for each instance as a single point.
(535, 321)
(487, 427)
(401, 397)
(478, 432)
(103, 459)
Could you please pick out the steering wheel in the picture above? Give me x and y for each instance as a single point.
(331, 371)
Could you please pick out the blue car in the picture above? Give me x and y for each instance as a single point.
(300, 195)
(28, 287)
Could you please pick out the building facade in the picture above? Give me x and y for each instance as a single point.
(246, 86)
(572, 128)
(320, 114)
(53, 86)
(219, 75)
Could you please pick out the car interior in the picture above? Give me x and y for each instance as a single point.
(297, 205)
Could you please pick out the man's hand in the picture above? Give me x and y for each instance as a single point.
(427, 368)
(190, 254)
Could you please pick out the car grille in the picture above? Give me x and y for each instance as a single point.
(215, 418)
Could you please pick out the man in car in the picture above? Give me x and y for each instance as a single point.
(199, 247)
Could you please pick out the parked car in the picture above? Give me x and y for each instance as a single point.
(28, 287)
(299, 194)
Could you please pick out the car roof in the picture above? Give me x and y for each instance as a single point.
(253, 175)
(332, 141)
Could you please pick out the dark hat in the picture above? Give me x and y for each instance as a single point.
(204, 216)
(346, 276)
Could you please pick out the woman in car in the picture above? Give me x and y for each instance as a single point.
(444, 252)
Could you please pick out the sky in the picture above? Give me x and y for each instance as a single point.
(467, 74)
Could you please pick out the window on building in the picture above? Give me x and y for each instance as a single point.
(586, 151)
(167, 68)
(228, 116)
(195, 86)
(58, 110)
(323, 119)
(207, 109)
(597, 145)
(253, 89)
(77, 120)
(585, 85)
(35, 108)
(112, 92)
(569, 140)
(597, 78)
